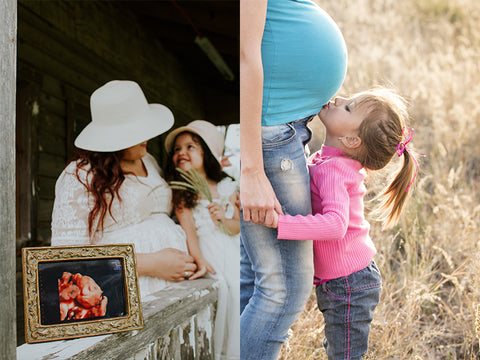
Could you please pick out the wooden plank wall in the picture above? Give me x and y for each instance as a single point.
(66, 50)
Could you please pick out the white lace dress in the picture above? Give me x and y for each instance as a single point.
(141, 218)
(223, 253)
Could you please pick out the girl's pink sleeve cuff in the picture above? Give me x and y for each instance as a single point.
(280, 227)
(286, 225)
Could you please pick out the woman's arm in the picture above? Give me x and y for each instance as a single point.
(257, 196)
(186, 220)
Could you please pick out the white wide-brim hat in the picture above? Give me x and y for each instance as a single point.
(122, 118)
(206, 130)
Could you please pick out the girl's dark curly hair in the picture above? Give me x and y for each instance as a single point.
(104, 178)
(213, 169)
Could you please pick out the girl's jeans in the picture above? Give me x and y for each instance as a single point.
(276, 276)
(347, 304)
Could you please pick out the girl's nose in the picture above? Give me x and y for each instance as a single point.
(339, 100)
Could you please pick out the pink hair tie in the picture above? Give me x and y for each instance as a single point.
(402, 146)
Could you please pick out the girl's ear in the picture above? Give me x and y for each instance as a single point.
(351, 142)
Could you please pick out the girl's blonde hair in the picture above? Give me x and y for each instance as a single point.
(381, 132)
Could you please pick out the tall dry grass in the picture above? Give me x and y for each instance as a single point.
(430, 51)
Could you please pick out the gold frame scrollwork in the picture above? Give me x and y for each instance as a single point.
(36, 332)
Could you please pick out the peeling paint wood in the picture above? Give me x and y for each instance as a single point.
(178, 325)
(8, 28)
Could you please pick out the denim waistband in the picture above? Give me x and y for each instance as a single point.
(304, 120)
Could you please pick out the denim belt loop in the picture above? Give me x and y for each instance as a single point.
(305, 120)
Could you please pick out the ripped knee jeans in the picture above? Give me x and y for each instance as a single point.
(276, 276)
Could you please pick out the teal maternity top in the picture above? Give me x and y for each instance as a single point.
(304, 60)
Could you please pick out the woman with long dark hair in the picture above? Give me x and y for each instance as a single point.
(112, 191)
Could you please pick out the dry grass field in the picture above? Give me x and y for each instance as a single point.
(430, 51)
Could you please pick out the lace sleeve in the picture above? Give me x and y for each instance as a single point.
(70, 210)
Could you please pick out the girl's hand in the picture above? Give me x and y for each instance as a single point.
(202, 267)
(225, 161)
(216, 213)
(274, 223)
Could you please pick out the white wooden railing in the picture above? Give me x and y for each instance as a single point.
(178, 325)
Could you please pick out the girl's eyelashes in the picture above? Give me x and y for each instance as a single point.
(350, 105)
(191, 146)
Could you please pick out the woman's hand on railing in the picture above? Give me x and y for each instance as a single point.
(168, 264)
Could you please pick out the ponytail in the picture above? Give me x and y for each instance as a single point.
(383, 133)
(394, 196)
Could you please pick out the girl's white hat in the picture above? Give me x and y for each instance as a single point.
(121, 118)
(206, 130)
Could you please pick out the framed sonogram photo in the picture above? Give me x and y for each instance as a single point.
(78, 291)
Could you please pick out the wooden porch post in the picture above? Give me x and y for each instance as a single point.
(8, 35)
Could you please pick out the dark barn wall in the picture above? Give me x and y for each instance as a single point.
(67, 49)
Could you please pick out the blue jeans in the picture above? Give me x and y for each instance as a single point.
(347, 304)
(276, 276)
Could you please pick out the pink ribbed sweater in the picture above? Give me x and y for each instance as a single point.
(342, 244)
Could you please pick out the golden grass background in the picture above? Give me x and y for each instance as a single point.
(429, 50)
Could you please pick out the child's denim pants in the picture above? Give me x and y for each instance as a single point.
(347, 304)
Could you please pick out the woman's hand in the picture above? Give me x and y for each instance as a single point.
(167, 264)
(217, 213)
(259, 202)
(202, 267)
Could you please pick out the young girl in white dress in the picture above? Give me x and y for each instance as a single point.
(113, 193)
(198, 146)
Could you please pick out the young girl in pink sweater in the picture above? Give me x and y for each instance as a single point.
(362, 133)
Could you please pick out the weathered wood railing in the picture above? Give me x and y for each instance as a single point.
(178, 324)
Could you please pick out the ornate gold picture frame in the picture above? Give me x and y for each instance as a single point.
(78, 291)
